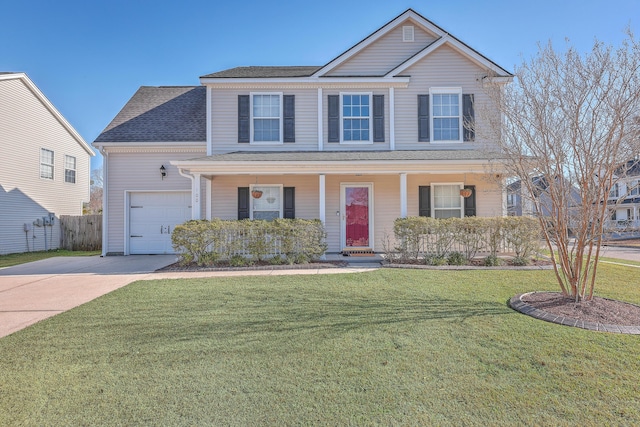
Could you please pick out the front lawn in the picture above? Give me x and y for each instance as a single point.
(389, 347)
(22, 258)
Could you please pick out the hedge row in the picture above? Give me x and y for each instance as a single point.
(436, 240)
(243, 242)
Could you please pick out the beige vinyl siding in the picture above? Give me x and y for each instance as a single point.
(224, 193)
(444, 67)
(224, 106)
(488, 191)
(26, 126)
(139, 172)
(337, 146)
(384, 54)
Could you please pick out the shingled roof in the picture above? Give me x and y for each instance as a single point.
(264, 72)
(161, 114)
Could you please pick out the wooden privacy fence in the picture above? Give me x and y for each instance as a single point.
(81, 233)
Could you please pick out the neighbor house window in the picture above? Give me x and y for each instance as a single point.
(46, 163)
(614, 193)
(268, 203)
(633, 187)
(70, 169)
(447, 202)
(266, 117)
(446, 114)
(356, 117)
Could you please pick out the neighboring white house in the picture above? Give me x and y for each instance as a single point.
(44, 167)
(385, 130)
(624, 198)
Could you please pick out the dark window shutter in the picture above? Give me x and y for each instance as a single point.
(424, 201)
(470, 202)
(243, 118)
(289, 205)
(243, 203)
(334, 118)
(289, 107)
(423, 118)
(378, 118)
(468, 118)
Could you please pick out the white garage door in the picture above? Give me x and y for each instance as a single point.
(152, 218)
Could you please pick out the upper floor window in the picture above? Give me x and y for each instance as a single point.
(446, 113)
(70, 169)
(633, 188)
(46, 163)
(266, 120)
(615, 191)
(356, 117)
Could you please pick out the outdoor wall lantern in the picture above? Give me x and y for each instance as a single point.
(163, 171)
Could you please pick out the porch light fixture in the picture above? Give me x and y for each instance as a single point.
(465, 192)
(163, 171)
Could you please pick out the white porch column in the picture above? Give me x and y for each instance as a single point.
(392, 119)
(195, 197)
(403, 195)
(322, 201)
(207, 198)
(320, 133)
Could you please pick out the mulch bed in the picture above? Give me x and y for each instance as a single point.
(598, 310)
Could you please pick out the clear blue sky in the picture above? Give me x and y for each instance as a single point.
(89, 56)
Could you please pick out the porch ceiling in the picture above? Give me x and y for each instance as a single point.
(343, 162)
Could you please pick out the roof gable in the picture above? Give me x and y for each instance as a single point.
(423, 25)
(49, 106)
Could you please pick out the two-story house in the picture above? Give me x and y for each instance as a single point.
(44, 167)
(387, 129)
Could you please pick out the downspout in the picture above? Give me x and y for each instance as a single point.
(105, 205)
(192, 178)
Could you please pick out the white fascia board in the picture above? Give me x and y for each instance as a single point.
(457, 45)
(49, 106)
(372, 38)
(315, 82)
(373, 167)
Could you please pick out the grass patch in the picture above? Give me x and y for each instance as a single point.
(22, 258)
(386, 347)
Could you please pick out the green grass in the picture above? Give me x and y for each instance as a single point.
(15, 259)
(390, 347)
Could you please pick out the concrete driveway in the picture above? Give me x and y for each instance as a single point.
(35, 291)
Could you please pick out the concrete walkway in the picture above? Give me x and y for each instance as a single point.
(35, 291)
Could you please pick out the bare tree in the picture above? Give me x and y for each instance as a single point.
(572, 120)
(95, 197)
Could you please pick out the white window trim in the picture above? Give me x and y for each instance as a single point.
(440, 91)
(52, 164)
(280, 118)
(433, 197)
(75, 169)
(281, 207)
(370, 141)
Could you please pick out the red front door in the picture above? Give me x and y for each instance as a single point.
(357, 203)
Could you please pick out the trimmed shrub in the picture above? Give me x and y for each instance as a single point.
(208, 242)
(456, 258)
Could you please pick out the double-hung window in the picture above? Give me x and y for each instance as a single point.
(266, 202)
(446, 114)
(266, 120)
(447, 201)
(46, 163)
(356, 117)
(70, 169)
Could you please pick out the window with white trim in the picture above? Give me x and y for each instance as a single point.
(633, 188)
(46, 163)
(447, 201)
(266, 117)
(70, 169)
(446, 114)
(356, 117)
(266, 202)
